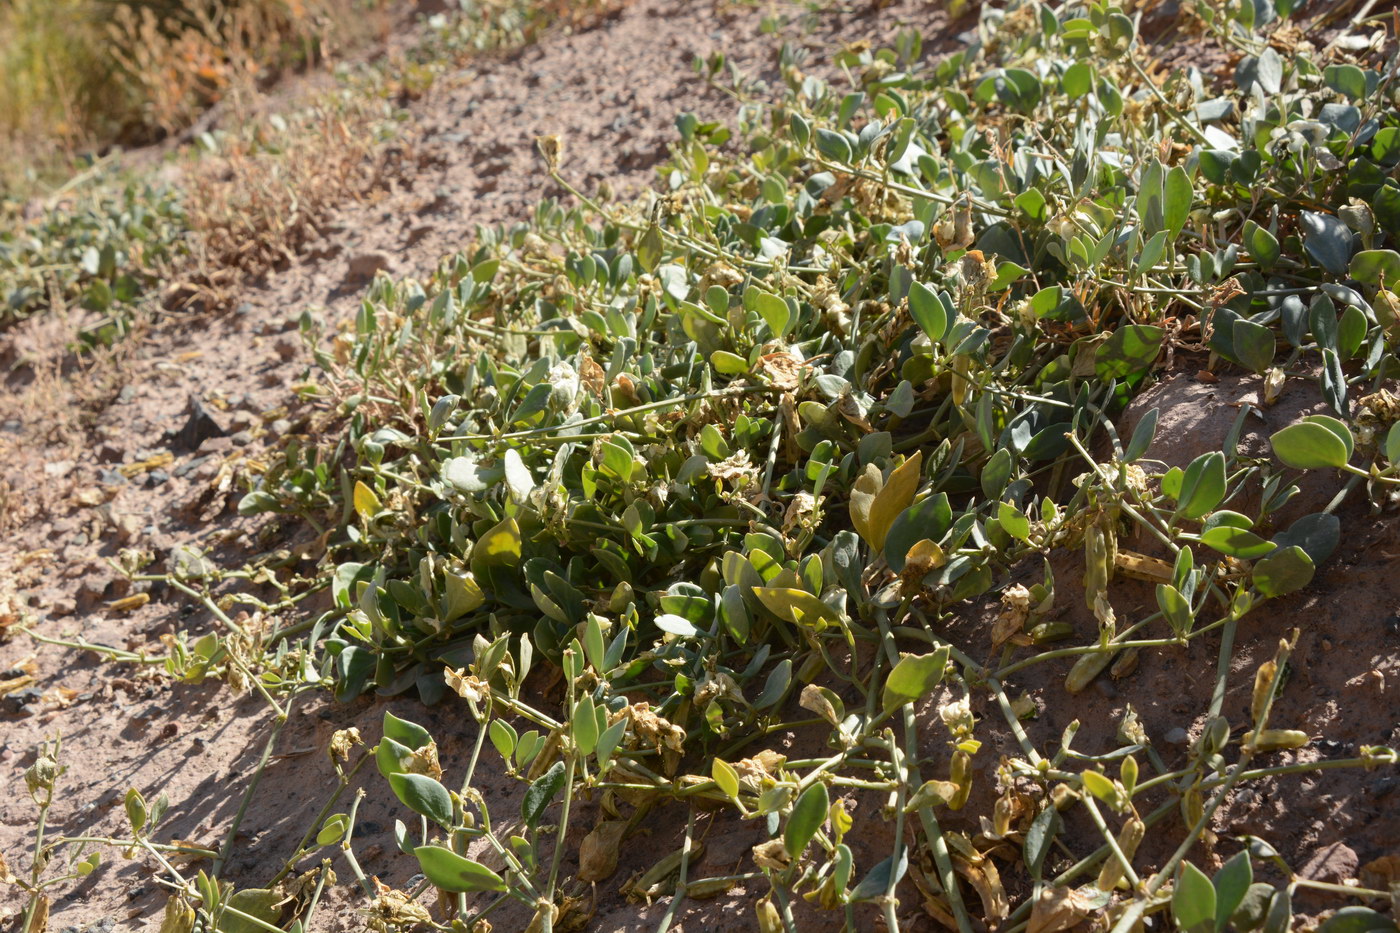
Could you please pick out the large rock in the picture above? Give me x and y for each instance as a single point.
(1195, 417)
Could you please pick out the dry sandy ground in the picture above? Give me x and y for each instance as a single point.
(468, 158)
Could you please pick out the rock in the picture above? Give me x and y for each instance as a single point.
(1177, 736)
(90, 591)
(62, 606)
(279, 427)
(214, 445)
(191, 466)
(361, 267)
(1196, 417)
(156, 478)
(242, 438)
(1333, 863)
(110, 478)
(286, 348)
(18, 702)
(107, 452)
(200, 425)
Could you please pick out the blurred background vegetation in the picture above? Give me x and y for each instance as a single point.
(78, 76)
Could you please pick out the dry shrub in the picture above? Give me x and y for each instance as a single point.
(182, 60)
(255, 205)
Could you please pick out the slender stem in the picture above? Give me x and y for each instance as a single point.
(686, 849)
(226, 849)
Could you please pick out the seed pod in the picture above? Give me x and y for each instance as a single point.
(1124, 665)
(179, 917)
(621, 597)
(1129, 838)
(769, 920)
(960, 774)
(1051, 631)
(1215, 736)
(1192, 807)
(1095, 564)
(1086, 669)
(1273, 740)
(1002, 812)
(136, 810)
(1263, 682)
(708, 887)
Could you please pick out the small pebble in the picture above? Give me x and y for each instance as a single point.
(18, 703)
(1177, 736)
(194, 464)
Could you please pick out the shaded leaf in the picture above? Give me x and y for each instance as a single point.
(451, 872)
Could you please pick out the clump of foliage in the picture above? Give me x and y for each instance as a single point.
(747, 443)
(102, 246)
(743, 447)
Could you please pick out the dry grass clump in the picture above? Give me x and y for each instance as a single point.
(266, 194)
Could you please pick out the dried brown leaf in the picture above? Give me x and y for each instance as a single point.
(597, 854)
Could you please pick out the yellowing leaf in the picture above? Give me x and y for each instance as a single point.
(896, 496)
(726, 778)
(924, 557)
(863, 494)
(1141, 567)
(796, 606)
(498, 547)
(366, 502)
(462, 596)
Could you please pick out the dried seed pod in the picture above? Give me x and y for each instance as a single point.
(1096, 564)
(1003, 811)
(769, 920)
(1273, 740)
(1263, 683)
(179, 916)
(1124, 665)
(1129, 838)
(708, 887)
